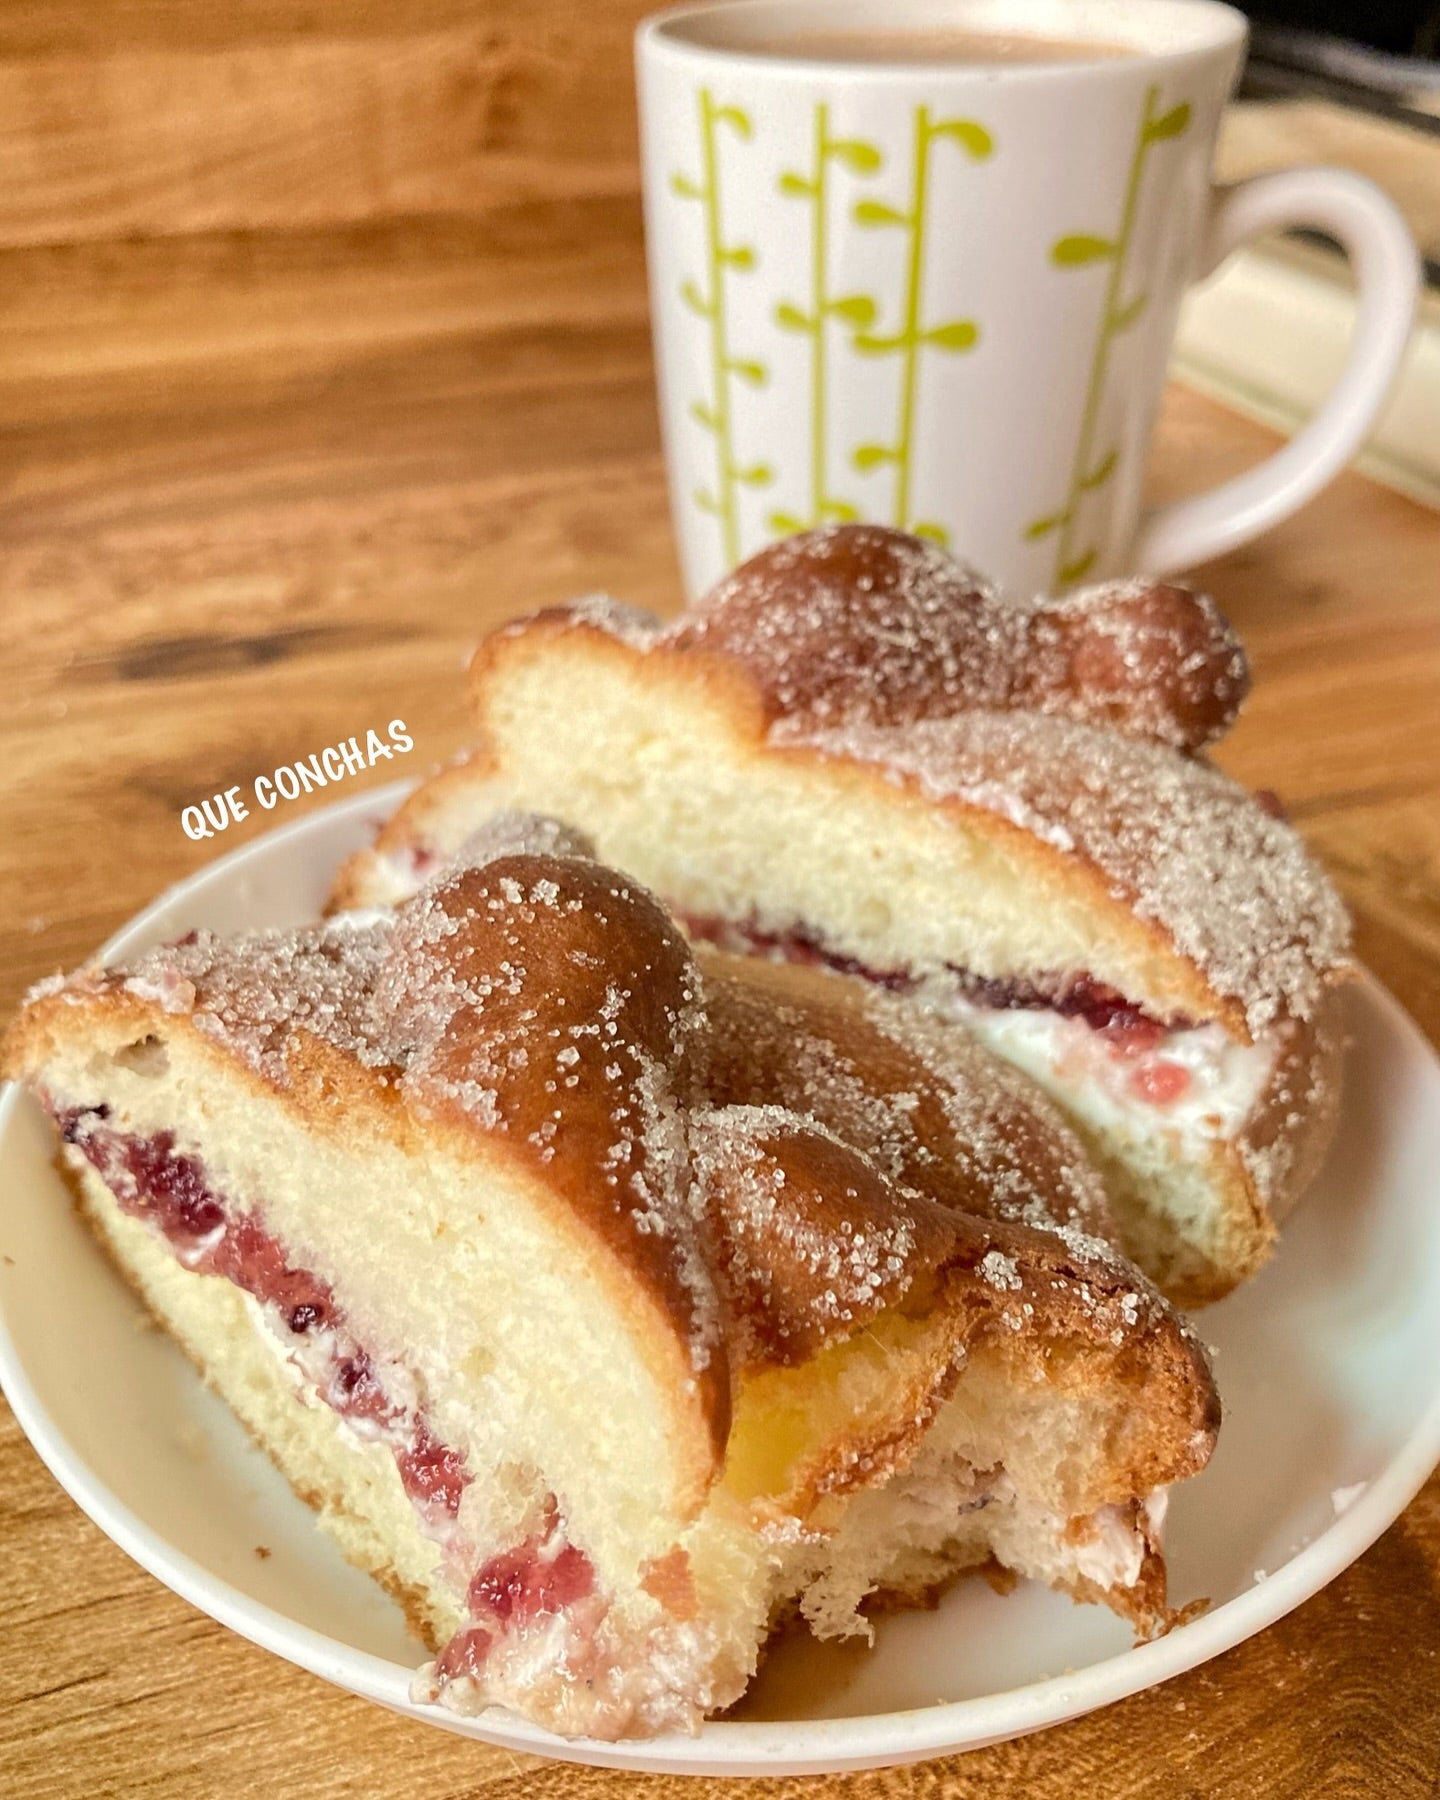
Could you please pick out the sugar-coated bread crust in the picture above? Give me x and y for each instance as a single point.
(862, 622)
(1286, 1138)
(787, 1033)
(971, 1132)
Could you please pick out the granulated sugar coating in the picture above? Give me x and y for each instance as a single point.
(1007, 1138)
(1149, 659)
(858, 622)
(1175, 839)
(931, 1109)
(846, 620)
(803, 1264)
(253, 994)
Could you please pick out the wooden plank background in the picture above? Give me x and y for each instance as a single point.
(323, 346)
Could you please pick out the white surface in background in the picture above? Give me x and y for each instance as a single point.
(1269, 335)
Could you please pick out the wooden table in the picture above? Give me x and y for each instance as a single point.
(264, 494)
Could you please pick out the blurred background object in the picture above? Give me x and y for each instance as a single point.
(1354, 83)
(1398, 29)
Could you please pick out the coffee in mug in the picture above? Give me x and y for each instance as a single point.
(932, 44)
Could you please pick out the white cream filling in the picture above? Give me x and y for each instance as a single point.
(1106, 1548)
(1117, 1090)
(1113, 1557)
(309, 1360)
(359, 918)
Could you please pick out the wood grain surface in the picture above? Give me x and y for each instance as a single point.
(119, 119)
(263, 493)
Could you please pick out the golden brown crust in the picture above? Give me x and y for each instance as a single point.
(845, 1207)
(554, 1005)
(1097, 1322)
(938, 1113)
(813, 1241)
(1258, 1176)
(787, 1033)
(1287, 1135)
(992, 1227)
(1046, 1313)
(863, 621)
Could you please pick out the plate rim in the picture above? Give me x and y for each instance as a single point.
(851, 1742)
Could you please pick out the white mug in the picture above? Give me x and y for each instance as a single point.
(941, 294)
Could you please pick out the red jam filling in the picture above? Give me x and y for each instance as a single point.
(465, 1654)
(1160, 1082)
(1132, 1037)
(521, 1585)
(151, 1180)
(513, 1590)
(1129, 1032)
(1072, 996)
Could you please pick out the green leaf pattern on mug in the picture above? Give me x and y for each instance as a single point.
(1088, 473)
(818, 314)
(913, 334)
(812, 319)
(1075, 252)
(714, 411)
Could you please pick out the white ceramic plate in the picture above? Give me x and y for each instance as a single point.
(1329, 1364)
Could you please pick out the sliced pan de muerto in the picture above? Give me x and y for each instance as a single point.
(610, 1305)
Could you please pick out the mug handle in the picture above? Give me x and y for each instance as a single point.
(1373, 233)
